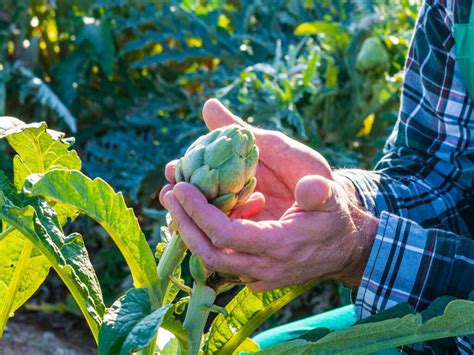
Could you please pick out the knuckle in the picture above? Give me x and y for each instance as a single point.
(282, 252)
(210, 260)
(220, 240)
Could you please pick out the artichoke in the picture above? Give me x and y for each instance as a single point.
(222, 165)
(372, 57)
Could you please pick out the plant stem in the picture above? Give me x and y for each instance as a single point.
(202, 299)
(172, 257)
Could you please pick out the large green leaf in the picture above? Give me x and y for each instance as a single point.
(120, 319)
(99, 201)
(145, 331)
(456, 320)
(131, 324)
(245, 312)
(39, 149)
(38, 223)
(22, 265)
(23, 268)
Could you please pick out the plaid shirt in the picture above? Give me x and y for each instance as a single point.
(422, 189)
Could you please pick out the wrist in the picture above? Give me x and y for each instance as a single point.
(365, 230)
(350, 189)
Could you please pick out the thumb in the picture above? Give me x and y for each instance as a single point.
(217, 115)
(316, 193)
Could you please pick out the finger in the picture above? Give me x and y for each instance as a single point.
(246, 266)
(242, 235)
(316, 193)
(251, 208)
(217, 115)
(305, 161)
(170, 171)
(260, 286)
(163, 192)
(215, 259)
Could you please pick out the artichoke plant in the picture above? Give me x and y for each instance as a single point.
(222, 165)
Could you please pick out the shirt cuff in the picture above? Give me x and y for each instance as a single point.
(396, 261)
(367, 185)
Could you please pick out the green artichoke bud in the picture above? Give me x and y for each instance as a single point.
(372, 57)
(222, 165)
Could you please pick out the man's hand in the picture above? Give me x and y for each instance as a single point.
(306, 226)
(283, 162)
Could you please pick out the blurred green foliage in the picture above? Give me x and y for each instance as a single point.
(129, 78)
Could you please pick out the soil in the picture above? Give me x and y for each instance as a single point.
(35, 333)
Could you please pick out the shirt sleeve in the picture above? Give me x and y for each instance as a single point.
(409, 263)
(422, 188)
(427, 171)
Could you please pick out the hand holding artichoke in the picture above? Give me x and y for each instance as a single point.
(222, 165)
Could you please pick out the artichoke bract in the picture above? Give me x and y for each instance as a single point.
(222, 165)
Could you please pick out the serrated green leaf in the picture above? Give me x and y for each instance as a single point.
(130, 324)
(456, 320)
(145, 330)
(23, 268)
(436, 308)
(398, 311)
(39, 224)
(99, 201)
(39, 150)
(120, 319)
(246, 311)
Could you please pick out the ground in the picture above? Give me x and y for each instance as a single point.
(36, 333)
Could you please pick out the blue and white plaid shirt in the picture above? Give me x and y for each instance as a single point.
(423, 188)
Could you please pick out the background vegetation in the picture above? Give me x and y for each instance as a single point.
(128, 78)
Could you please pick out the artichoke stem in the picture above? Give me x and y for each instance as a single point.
(200, 304)
(172, 257)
